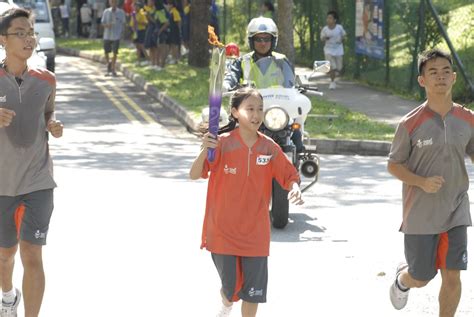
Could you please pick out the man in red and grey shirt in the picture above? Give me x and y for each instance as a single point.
(26, 177)
(427, 155)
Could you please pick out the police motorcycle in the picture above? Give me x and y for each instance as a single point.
(285, 111)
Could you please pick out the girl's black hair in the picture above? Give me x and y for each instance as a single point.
(235, 101)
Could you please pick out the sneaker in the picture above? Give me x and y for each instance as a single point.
(398, 297)
(332, 85)
(10, 310)
(225, 311)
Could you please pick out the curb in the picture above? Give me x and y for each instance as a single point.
(323, 146)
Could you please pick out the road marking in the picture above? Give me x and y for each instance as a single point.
(128, 100)
(117, 104)
(132, 103)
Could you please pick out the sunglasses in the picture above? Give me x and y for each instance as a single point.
(262, 39)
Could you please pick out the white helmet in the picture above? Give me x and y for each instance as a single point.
(262, 25)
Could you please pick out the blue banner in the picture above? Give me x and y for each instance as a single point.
(369, 31)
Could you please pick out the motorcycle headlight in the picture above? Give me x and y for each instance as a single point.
(275, 119)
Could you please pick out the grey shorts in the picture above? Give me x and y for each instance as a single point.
(243, 278)
(111, 46)
(25, 217)
(426, 254)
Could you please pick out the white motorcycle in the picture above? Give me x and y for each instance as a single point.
(285, 111)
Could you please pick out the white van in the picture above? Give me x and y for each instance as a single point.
(43, 25)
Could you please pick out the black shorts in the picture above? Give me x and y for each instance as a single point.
(174, 37)
(140, 37)
(426, 254)
(111, 46)
(243, 278)
(25, 217)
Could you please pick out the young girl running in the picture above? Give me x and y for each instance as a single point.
(236, 227)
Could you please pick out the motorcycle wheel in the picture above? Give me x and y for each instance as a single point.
(280, 206)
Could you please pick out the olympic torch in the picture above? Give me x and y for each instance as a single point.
(217, 69)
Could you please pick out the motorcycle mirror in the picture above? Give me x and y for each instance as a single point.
(322, 66)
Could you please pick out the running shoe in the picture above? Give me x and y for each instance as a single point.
(9, 310)
(398, 297)
(225, 311)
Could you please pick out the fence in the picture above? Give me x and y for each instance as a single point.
(403, 37)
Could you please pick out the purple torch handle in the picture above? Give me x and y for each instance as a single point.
(214, 116)
(217, 69)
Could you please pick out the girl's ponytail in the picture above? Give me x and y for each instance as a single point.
(228, 127)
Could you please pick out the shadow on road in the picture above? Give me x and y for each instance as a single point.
(298, 230)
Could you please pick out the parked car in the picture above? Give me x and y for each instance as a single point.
(38, 59)
(43, 25)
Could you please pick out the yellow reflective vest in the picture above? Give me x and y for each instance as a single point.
(253, 76)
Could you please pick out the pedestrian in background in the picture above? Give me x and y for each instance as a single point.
(113, 21)
(268, 10)
(236, 227)
(427, 155)
(138, 24)
(174, 40)
(186, 25)
(86, 19)
(27, 117)
(64, 12)
(162, 34)
(333, 35)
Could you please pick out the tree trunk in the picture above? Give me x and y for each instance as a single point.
(285, 28)
(198, 45)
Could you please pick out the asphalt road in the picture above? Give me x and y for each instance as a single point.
(125, 234)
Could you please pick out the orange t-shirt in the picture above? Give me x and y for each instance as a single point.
(237, 220)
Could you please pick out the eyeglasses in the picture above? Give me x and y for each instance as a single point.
(262, 39)
(23, 34)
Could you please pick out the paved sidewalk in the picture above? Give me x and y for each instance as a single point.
(376, 104)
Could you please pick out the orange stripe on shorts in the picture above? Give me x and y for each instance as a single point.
(19, 213)
(443, 246)
(239, 279)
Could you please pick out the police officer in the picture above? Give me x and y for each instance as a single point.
(262, 35)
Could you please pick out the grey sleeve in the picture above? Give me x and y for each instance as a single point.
(401, 146)
(233, 74)
(50, 106)
(470, 145)
(104, 19)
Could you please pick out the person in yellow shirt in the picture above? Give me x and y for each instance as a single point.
(174, 39)
(151, 35)
(138, 24)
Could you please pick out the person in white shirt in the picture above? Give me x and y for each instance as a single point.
(86, 19)
(333, 35)
(64, 12)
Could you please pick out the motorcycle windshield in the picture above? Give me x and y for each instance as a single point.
(280, 69)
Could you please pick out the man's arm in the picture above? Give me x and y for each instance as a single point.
(428, 184)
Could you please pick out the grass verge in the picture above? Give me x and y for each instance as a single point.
(189, 86)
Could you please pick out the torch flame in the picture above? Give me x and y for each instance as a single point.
(213, 40)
